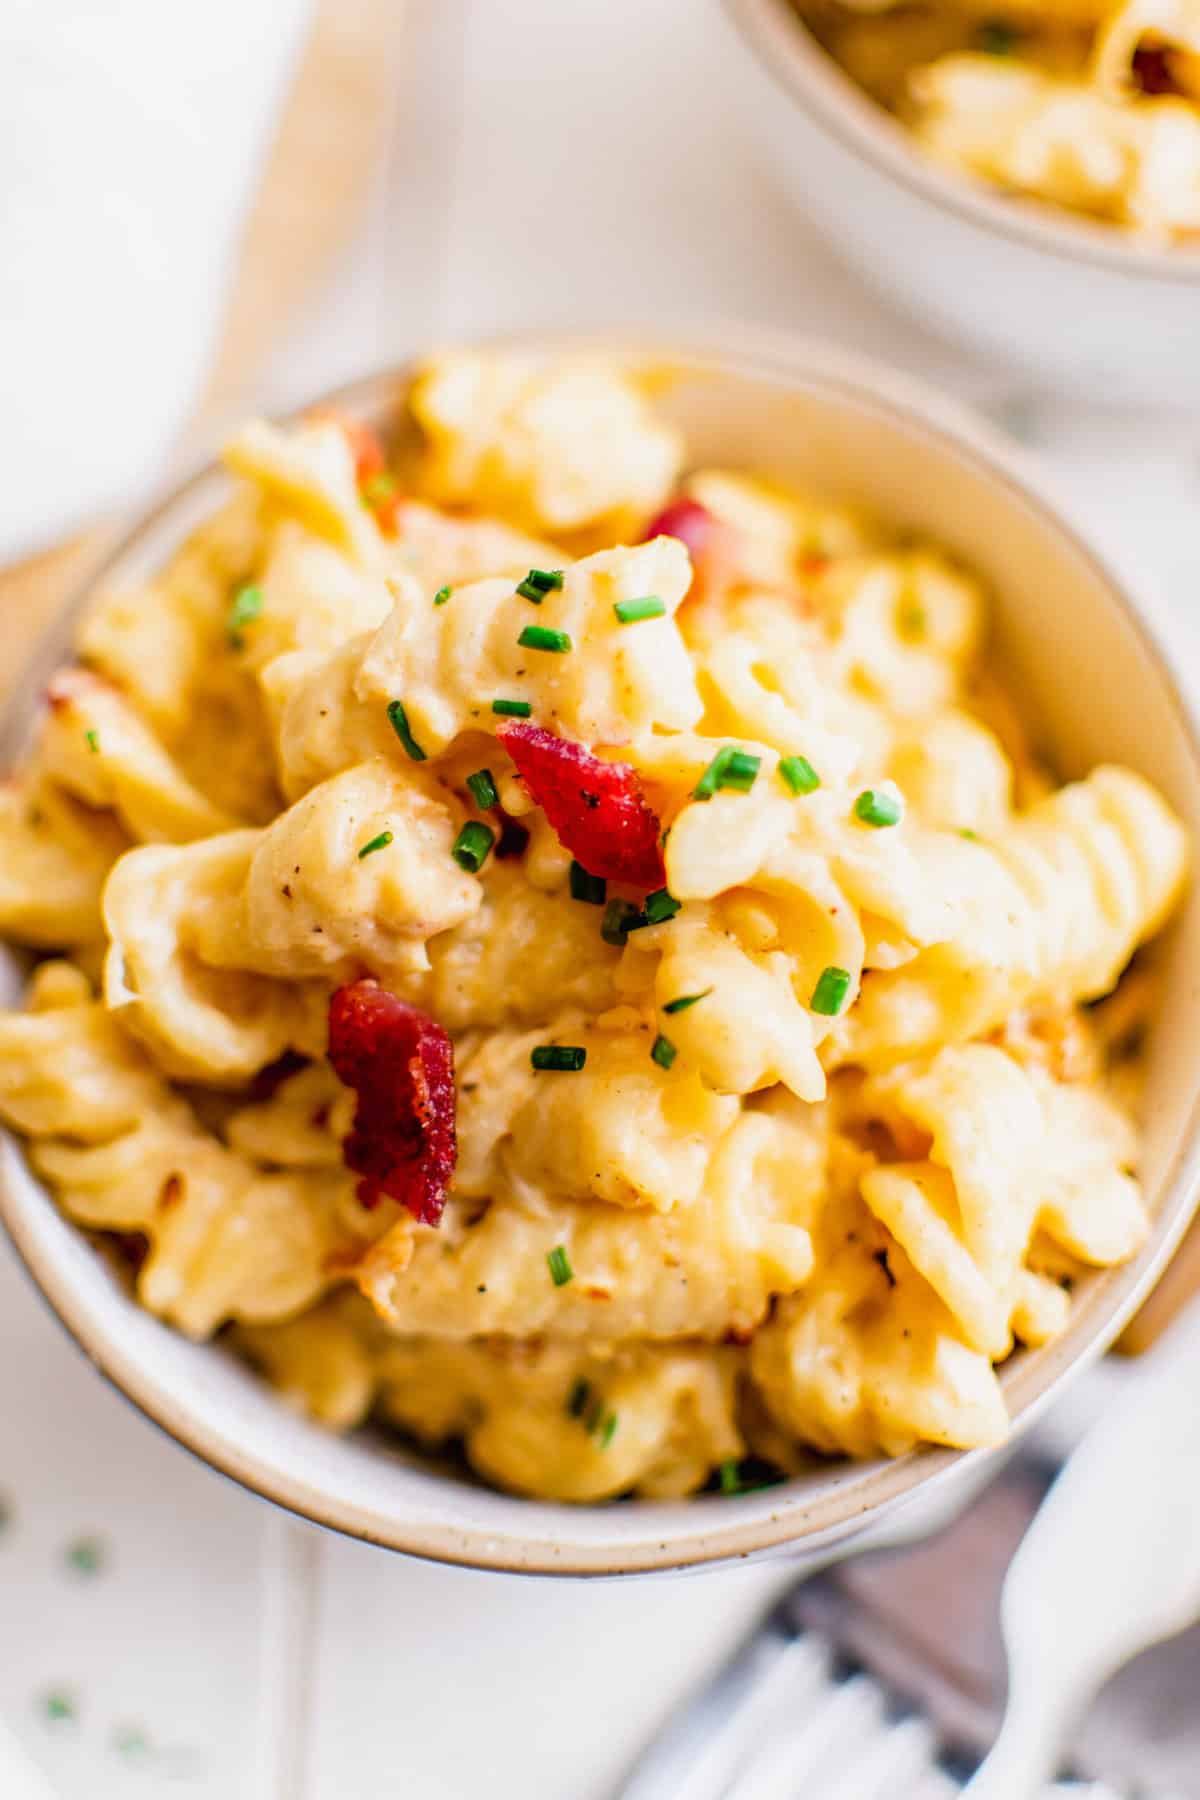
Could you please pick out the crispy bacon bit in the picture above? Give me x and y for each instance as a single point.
(513, 840)
(597, 809)
(400, 1063)
(379, 492)
(365, 448)
(269, 1080)
(1152, 73)
(710, 542)
(687, 520)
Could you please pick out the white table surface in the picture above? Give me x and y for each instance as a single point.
(557, 162)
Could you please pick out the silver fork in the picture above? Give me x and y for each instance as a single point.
(884, 1678)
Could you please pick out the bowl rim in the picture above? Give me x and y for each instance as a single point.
(777, 37)
(752, 1525)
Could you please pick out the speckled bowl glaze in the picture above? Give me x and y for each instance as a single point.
(1071, 301)
(1072, 639)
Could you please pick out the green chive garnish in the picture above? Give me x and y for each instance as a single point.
(472, 845)
(661, 906)
(85, 1556)
(729, 768)
(971, 836)
(630, 611)
(995, 38)
(833, 985)
(559, 1264)
(663, 1051)
(483, 789)
(380, 487)
(875, 806)
(538, 583)
(580, 1394)
(797, 773)
(442, 595)
(620, 918)
(92, 740)
(730, 1479)
(512, 709)
(911, 621)
(376, 843)
(584, 886)
(607, 1430)
(541, 637)
(58, 1705)
(686, 1000)
(565, 1059)
(246, 606)
(398, 720)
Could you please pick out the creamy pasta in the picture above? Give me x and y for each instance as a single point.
(572, 956)
(1091, 105)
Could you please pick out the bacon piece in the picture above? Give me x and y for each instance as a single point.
(400, 1063)
(711, 543)
(597, 809)
(383, 499)
(687, 520)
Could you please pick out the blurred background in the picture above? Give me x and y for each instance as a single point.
(216, 206)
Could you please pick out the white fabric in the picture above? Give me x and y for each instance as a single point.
(131, 136)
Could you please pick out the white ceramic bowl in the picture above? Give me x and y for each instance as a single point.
(1075, 303)
(1085, 664)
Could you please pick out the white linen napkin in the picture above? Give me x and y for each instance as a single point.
(132, 133)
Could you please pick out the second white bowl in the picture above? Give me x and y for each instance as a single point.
(1076, 304)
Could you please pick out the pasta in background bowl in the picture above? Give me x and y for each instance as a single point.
(1026, 178)
(771, 1135)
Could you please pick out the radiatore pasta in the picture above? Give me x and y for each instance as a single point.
(572, 956)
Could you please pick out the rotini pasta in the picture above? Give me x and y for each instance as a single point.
(1090, 105)
(589, 966)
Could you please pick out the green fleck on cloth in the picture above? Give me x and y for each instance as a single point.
(58, 1706)
(86, 1556)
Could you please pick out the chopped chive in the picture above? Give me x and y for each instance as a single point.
(912, 621)
(442, 595)
(663, 1051)
(875, 806)
(995, 37)
(729, 768)
(740, 771)
(580, 1394)
(966, 832)
(686, 1000)
(85, 1556)
(376, 843)
(660, 906)
(483, 789)
(472, 845)
(59, 1705)
(584, 886)
(538, 583)
(797, 773)
(729, 1476)
(607, 1430)
(92, 740)
(398, 720)
(833, 985)
(630, 611)
(559, 1264)
(512, 709)
(129, 1740)
(620, 918)
(245, 607)
(566, 1059)
(541, 637)
(379, 488)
